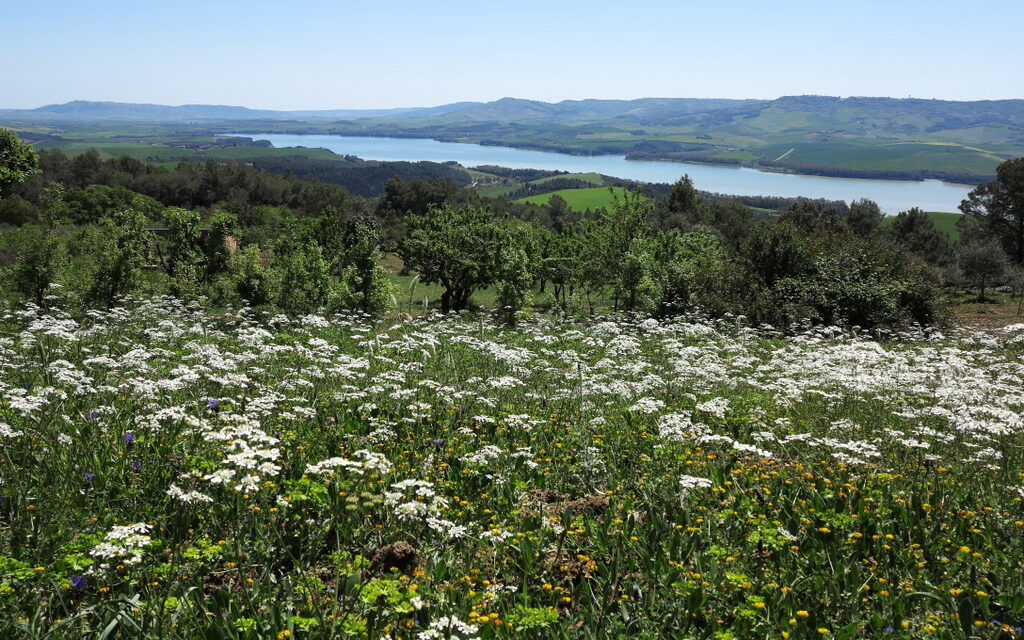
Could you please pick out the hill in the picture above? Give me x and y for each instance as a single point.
(857, 137)
(84, 110)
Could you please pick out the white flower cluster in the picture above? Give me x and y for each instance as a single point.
(123, 543)
(368, 461)
(484, 455)
(693, 482)
(449, 627)
(414, 499)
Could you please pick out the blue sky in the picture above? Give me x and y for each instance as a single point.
(341, 54)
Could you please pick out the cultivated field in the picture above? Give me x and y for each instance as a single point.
(169, 473)
(582, 199)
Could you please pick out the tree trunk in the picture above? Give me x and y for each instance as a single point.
(446, 301)
(1020, 238)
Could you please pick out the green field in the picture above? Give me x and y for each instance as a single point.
(138, 150)
(593, 178)
(891, 157)
(497, 190)
(943, 220)
(581, 199)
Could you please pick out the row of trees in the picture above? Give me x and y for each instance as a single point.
(805, 266)
(322, 263)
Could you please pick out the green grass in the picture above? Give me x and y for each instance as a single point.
(138, 150)
(581, 199)
(496, 190)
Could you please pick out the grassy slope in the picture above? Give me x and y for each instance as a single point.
(894, 157)
(943, 220)
(496, 190)
(580, 199)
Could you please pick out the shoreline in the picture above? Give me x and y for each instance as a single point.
(573, 152)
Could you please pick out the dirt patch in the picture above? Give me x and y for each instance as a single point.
(547, 496)
(590, 505)
(987, 315)
(570, 569)
(398, 555)
(557, 503)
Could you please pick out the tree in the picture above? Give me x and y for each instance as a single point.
(218, 244)
(125, 242)
(775, 251)
(733, 220)
(619, 230)
(865, 216)
(678, 259)
(183, 260)
(915, 230)
(684, 199)
(366, 281)
(982, 263)
(814, 215)
(999, 205)
(305, 280)
(182, 240)
(560, 210)
(401, 199)
(457, 247)
(514, 281)
(17, 161)
(40, 264)
(41, 261)
(254, 282)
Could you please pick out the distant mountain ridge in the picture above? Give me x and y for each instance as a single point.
(505, 109)
(862, 115)
(854, 137)
(78, 110)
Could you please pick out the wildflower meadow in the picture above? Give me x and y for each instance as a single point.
(170, 472)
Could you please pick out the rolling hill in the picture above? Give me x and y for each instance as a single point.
(856, 137)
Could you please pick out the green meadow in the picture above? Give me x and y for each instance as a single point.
(581, 199)
(943, 220)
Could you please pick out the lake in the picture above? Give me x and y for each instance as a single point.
(892, 196)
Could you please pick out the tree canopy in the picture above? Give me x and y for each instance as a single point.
(17, 161)
(999, 205)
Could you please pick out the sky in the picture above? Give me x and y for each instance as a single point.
(342, 54)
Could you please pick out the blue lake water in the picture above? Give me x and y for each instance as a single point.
(892, 196)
